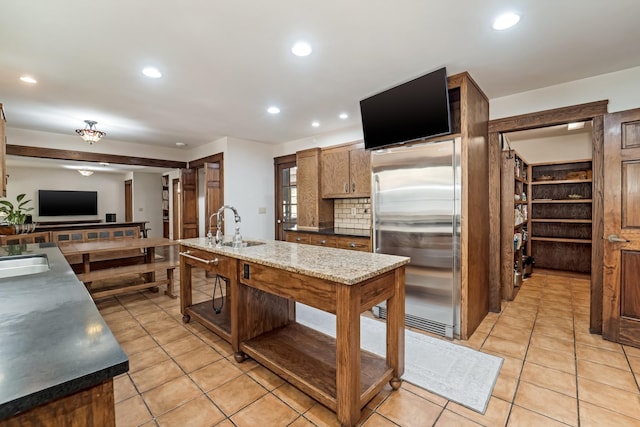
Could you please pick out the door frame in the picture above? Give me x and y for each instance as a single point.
(128, 200)
(278, 164)
(176, 213)
(594, 111)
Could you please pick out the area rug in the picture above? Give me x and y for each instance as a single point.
(455, 372)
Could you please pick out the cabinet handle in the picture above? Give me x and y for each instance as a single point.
(298, 239)
(353, 187)
(323, 242)
(352, 245)
(613, 238)
(187, 254)
(346, 187)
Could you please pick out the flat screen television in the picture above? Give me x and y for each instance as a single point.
(67, 203)
(414, 110)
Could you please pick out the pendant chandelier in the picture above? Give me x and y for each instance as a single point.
(90, 133)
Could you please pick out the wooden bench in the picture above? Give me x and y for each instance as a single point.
(145, 270)
(138, 269)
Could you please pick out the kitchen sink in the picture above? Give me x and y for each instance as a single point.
(245, 243)
(20, 265)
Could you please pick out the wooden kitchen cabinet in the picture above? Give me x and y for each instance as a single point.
(353, 243)
(346, 172)
(3, 148)
(314, 213)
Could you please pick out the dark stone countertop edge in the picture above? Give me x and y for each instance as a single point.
(42, 397)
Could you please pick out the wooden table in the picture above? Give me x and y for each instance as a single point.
(258, 316)
(147, 269)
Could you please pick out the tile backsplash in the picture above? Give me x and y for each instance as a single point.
(352, 213)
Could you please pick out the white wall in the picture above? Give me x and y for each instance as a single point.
(249, 187)
(108, 185)
(556, 149)
(147, 201)
(621, 88)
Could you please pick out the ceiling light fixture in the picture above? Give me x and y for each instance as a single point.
(343, 116)
(28, 79)
(506, 20)
(273, 110)
(89, 133)
(152, 72)
(315, 124)
(85, 172)
(575, 125)
(180, 144)
(301, 49)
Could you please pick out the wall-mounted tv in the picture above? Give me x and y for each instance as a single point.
(67, 203)
(414, 110)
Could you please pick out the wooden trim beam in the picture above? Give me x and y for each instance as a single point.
(199, 163)
(552, 117)
(54, 153)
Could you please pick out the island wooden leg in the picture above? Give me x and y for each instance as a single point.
(185, 290)
(395, 329)
(348, 354)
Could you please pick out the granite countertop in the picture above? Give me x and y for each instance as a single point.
(337, 265)
(53, 340)
(351, 232)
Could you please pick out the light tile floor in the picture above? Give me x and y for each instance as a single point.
(554, 373)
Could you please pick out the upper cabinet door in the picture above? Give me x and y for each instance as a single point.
(360, 167)
(335, 180)
(346, 172)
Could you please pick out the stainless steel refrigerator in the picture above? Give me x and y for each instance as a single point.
(416, 213)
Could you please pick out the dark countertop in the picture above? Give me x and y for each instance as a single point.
(53, 340)
(351, 232)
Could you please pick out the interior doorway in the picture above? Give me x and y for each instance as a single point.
(593, 112)
(286, 196)
(175, 208)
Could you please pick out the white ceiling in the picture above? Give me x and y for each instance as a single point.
(225, 62)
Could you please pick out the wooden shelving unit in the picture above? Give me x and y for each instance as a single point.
(165, 206)
(561, 212)
(515, 222)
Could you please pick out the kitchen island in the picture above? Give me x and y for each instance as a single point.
(265, 279)
(57, 355)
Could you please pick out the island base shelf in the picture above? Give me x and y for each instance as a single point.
(306, 358)
(219, 324)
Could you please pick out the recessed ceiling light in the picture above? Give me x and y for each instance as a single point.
(180, 144)
(28, 79)
(152, 72)
(315, 124)
(273, 110)
(506, 20)
(104, 164)
(301, 49)
(575, 125)
(343, 116)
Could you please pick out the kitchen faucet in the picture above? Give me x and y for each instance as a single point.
(219, 220)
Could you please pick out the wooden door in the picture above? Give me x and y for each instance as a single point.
(175, 208)
(621, 284)
(213, 194)
(189, 206)
(128, 201)
(286, 194)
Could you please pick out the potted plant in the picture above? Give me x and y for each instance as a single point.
(16, 214)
